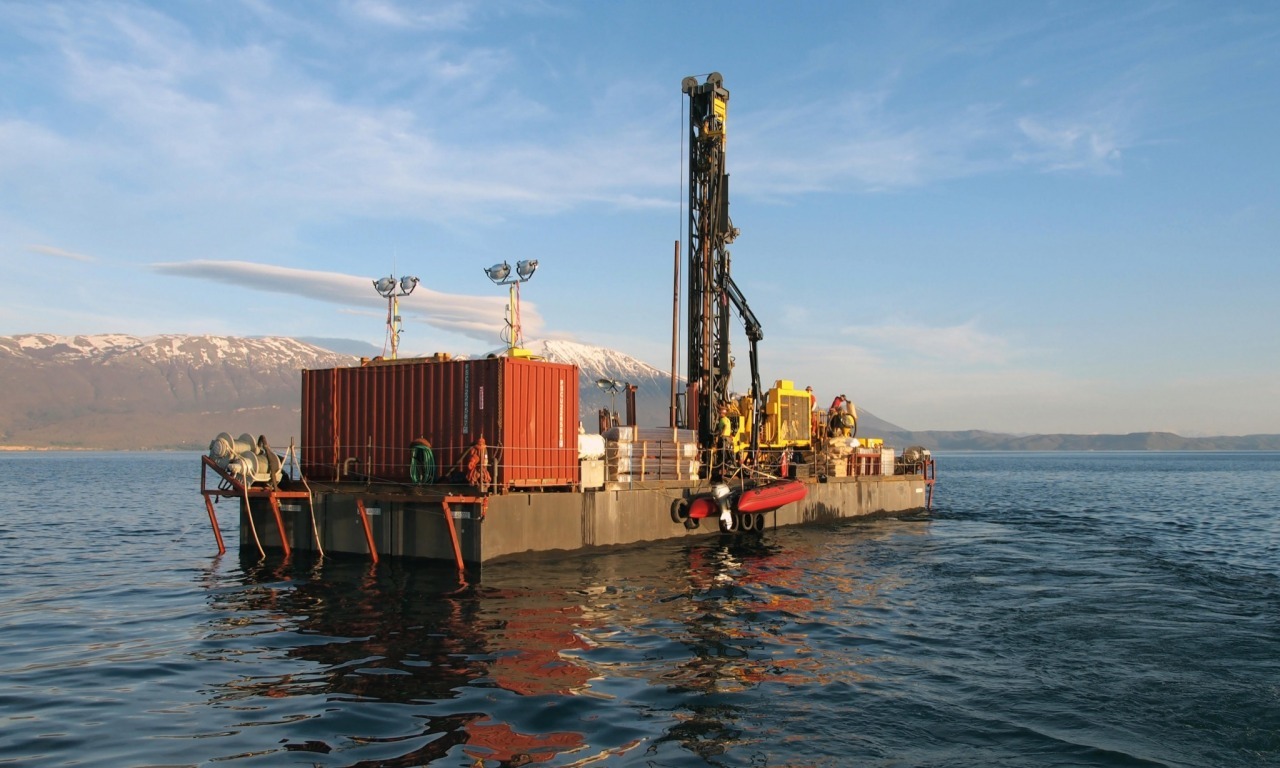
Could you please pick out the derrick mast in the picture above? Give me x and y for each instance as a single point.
(710, 232)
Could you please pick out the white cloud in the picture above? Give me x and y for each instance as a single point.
(475, 317)
(232, 124)
(868, 147)
(450, 15)
(49, 250)
(962, 344)
(1069, 146)
(237, 123)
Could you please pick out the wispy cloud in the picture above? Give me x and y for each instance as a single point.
(475, 317)
(962, 344)
(880, 150)
(48, 250)
(230, 122)
(1069, 146)
(226, 123)
(449, 15)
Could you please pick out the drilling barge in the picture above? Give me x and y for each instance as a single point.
(479, 460)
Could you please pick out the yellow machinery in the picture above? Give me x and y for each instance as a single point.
(785, 415)
(787, 420)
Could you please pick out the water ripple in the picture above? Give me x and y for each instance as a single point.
(1056, 610)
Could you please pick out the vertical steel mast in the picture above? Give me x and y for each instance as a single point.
(710, 231)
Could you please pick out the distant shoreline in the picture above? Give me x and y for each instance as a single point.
(940, 450)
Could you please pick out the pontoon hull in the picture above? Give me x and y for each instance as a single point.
(518, 524)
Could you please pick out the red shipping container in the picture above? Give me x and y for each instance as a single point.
(360, 423)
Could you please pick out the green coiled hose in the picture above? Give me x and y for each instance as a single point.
(422, 463)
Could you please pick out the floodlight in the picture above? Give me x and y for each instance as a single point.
(391, 289)
(612, 386)
(498, 272)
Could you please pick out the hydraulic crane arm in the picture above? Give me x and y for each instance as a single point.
(754, 334)
(751, 324)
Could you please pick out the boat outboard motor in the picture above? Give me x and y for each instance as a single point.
(246, 459)
(720, 492)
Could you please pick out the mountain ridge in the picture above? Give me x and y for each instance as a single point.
(117, 391)
(175, 391)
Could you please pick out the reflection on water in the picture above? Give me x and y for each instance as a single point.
(551, 660)
(1053, 610)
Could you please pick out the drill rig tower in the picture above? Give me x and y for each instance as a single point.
(711, 289)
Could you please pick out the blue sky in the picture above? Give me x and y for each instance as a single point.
(1016, 216)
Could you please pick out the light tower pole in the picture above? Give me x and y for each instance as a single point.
(392, 289)
(612, 386)
(500, 274)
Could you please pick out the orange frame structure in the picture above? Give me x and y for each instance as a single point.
(233, 488)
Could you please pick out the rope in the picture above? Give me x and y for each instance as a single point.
(311, 505)
(311, 502)
(248, 511)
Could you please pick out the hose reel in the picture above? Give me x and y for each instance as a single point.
(250, 461)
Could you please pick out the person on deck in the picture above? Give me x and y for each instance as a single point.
(838, 425)
(815, 423)
(724, 436)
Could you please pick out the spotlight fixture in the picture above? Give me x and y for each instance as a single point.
(609, 385)
(613, 387)
(392, 289)
(498, 272)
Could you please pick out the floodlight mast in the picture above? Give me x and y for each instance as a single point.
(392, 288)
(500, 274)
(612, 386)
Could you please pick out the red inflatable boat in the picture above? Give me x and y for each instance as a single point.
(770, 496)
(762, 498)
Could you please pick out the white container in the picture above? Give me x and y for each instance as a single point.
(592, 472)
(590, 446)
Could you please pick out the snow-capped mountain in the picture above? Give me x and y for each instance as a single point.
(117, 349)
(653, 386)
(119, 391)
(114, 391)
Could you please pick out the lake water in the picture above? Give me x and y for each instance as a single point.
(1054, 610)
